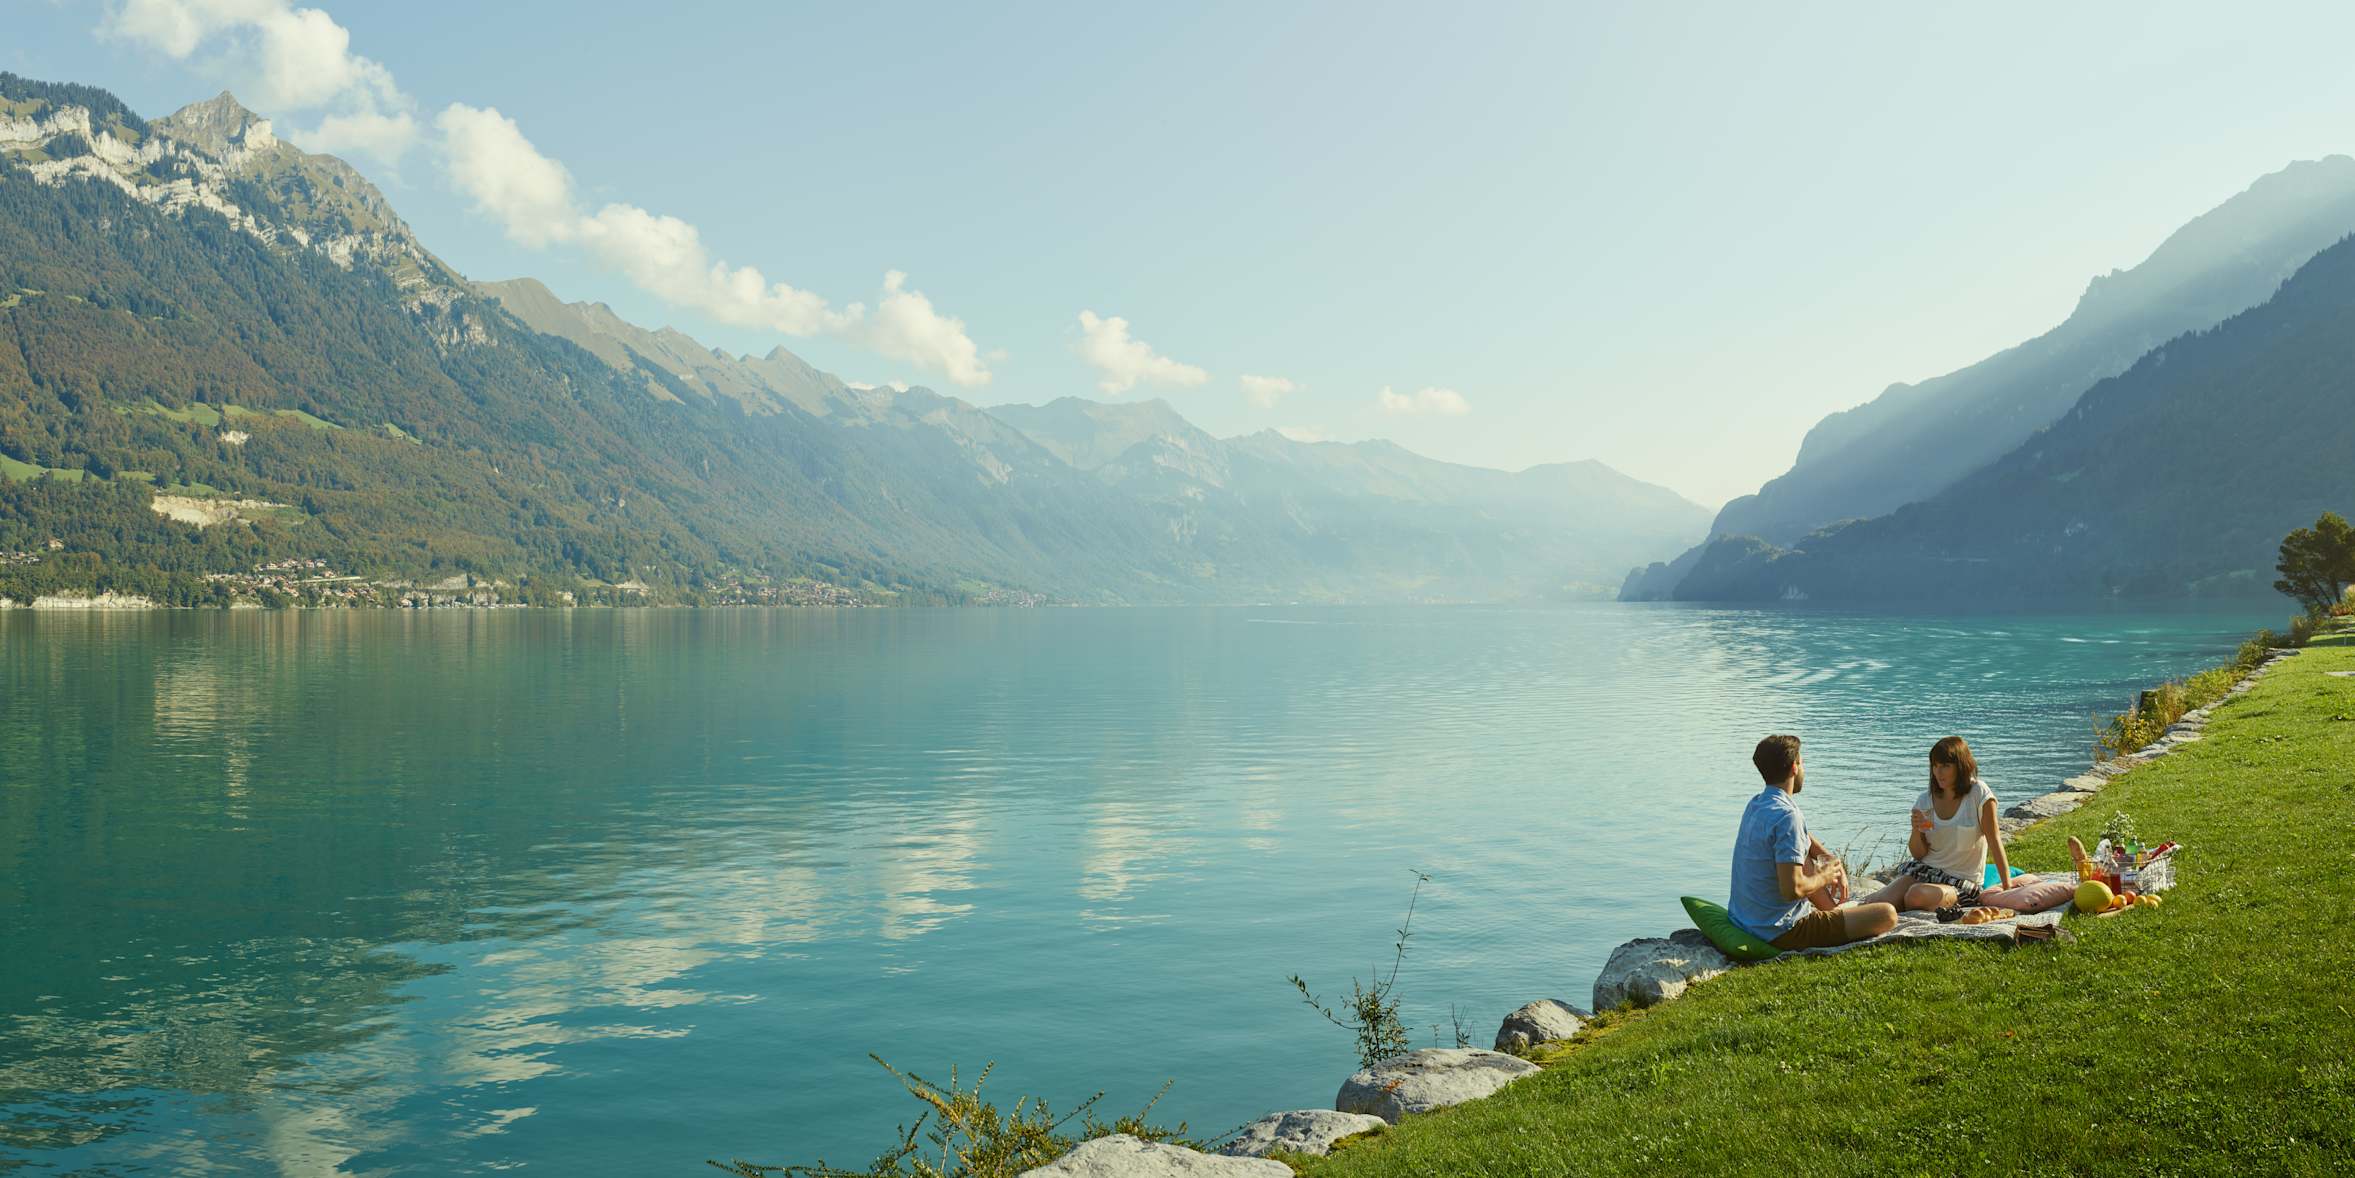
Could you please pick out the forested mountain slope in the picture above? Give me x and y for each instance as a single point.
(2177, 478)
(1915, 440)
(217, 350)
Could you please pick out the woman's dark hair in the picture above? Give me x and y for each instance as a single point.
(1956, 752)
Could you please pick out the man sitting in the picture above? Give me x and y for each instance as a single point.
(1776, 872)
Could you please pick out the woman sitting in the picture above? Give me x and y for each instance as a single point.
(1954, 834)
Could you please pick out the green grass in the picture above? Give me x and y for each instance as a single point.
(236, 411)
(194, 413)
(2209, 1036)
(199, 413)
(10, 468)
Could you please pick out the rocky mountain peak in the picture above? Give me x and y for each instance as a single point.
(222, 158)
(218, 125)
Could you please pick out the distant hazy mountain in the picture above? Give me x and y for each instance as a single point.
(1368, 511)
(2176, 478)
(1915, 440)
(196, 309)
(1252, 517)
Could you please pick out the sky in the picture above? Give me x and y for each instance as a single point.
(1668, 237)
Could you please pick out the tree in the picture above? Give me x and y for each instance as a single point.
(2318, 563)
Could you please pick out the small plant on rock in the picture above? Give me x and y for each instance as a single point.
(972, 1138)
(1373, 1008)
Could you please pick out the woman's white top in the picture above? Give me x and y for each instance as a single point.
(1956, 845)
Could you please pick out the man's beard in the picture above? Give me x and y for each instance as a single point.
(1798, 781)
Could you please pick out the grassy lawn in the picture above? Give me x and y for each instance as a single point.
(237, 411)
(10, 468)
(2210, 1036)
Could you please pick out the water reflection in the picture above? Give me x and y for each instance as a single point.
(378, 893)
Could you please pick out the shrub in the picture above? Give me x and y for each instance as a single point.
(1373, 1009)
(2253, 651)
(2303, 627)
(972, 1138)
(2209, 686)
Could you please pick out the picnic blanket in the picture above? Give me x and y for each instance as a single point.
(1922, 926)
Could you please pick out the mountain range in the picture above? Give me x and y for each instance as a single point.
(222, 351)
(1948, 490)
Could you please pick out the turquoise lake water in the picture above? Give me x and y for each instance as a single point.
(617, 891)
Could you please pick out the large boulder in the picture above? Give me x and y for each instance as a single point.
(1123, 1156)
(1651, 970)
(1309, 1131)
(1541, 1021)
(1433, 1078)
(2051, 805)
(2086, 783)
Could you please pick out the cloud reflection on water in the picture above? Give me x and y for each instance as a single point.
(374, 893)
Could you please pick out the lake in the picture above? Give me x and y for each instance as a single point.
(618, 891)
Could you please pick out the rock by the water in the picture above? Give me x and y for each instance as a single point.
(1433, 1078)
(1123, 1156)
(2050, 805)
(2012, 826)
(1651, 970)
(1309, 1131)
(1538, 1022)
(2086, 783)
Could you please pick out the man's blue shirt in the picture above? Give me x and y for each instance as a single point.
(1773, 831)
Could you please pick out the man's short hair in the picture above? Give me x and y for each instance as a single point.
(1775, 757)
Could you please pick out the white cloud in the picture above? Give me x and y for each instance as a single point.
(285, 59)
(1304, 433)
(665, 256)
(532, 197)
(1264, 391)
(369, 133)
(1124, 362)
(906, 327)
(293, 59)
(504, 175)
(1439, 402)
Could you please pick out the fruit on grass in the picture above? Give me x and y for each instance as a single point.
(2094, 896)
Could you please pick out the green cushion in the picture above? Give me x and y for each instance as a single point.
(1731, 939)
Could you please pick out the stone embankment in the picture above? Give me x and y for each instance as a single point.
(2081, 789)
(1643, 972)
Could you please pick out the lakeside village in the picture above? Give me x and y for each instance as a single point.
(313, 583)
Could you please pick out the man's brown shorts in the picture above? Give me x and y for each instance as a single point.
(1816, 930)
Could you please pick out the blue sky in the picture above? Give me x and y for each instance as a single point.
(1669, 237)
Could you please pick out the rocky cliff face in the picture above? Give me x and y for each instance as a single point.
(218, 156)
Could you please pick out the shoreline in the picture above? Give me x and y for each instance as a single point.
(1875, 1048)
(1422, 1096)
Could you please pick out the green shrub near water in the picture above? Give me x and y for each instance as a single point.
(2304, 626)
(969, 1137)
